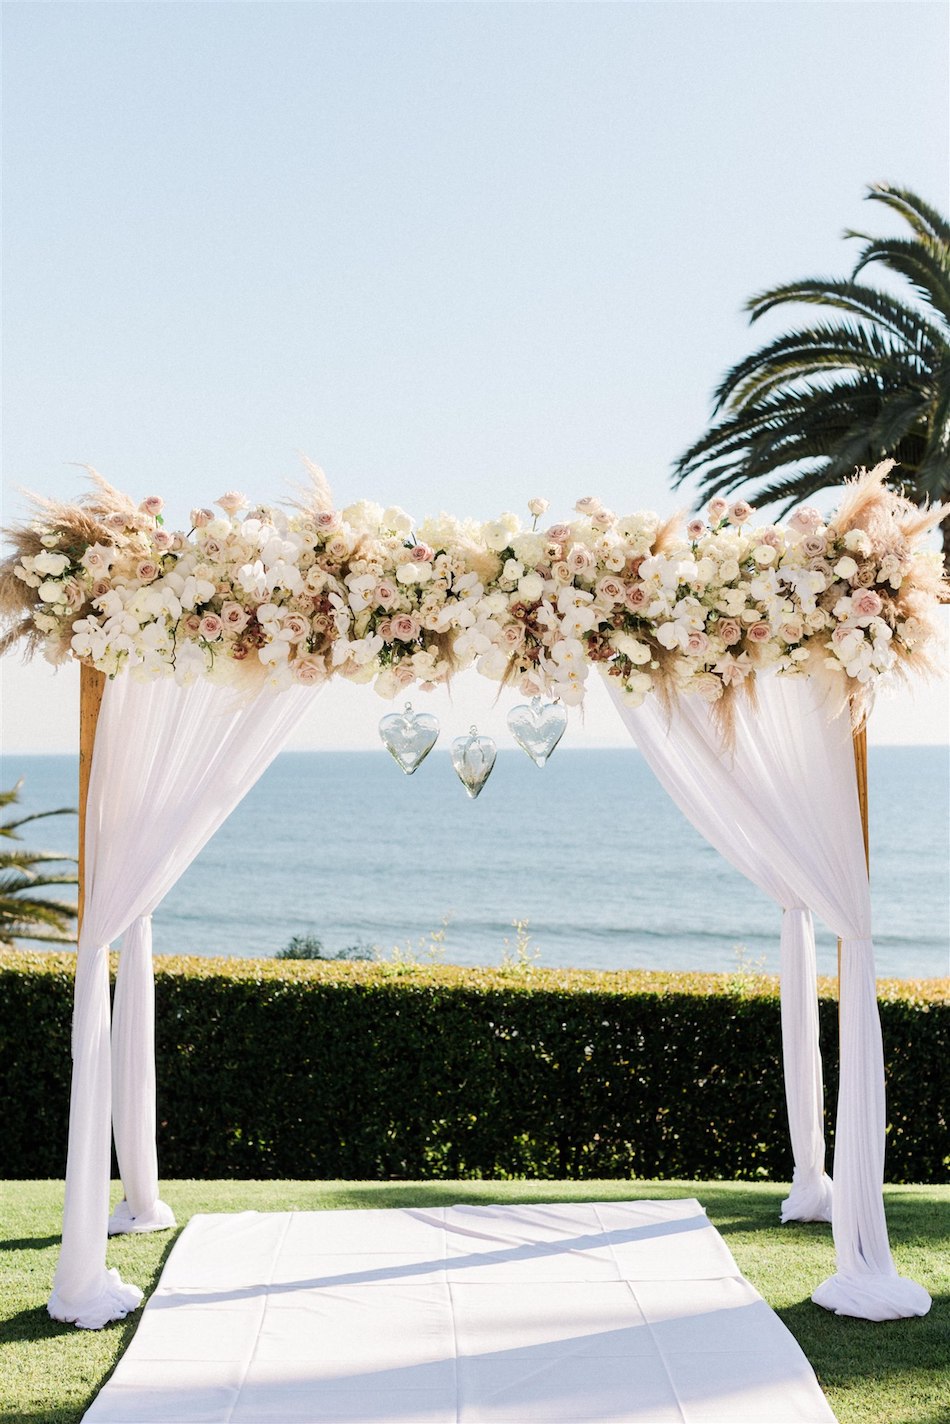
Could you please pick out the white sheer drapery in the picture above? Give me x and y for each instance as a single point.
(170, 764)
(782, 807)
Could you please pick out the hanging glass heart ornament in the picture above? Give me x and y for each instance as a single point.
(409, 736)
(537, 727)
(473, 758)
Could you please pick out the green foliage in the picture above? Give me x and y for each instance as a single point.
(310, 946)
(25, 913)
(386, 1070)
(868, 381)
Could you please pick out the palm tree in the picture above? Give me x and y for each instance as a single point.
(25, 914)
(804, 411)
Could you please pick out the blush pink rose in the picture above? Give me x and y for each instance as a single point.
(294, 626)
(729, 631)
(75, 596)
(385, 593)
(234, 617)
(385, 630)
(716, 509)
(191, 624)
(211, 626)
(805, 520)
(866, 603)
(590, 504)
(147, 570)
(759, 633)
(162, 540)
(561, 572)
(201, 517)
(611, 590)
(580, 560)
(697, 643)
(814, 545)
(231, 502)
(404, 675)
(558, 533)
(327, 519)
(637, 595)
(405, 627)
(696, 528)
(308, 670)
(512, 635)
(739, 512)
(421, 554)
(118, 522)
(153, 505)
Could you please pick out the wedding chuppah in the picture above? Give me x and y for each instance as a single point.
(740, 656)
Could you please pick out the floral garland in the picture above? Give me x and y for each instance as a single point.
(315, 592)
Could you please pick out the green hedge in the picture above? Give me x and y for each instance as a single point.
(351, 1070)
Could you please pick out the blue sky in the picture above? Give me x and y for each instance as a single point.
(459, 254)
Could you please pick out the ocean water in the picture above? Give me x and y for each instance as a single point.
(588, 851)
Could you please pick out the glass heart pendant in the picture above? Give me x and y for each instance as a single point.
(409, 736)
(473, 758)
(537, 727)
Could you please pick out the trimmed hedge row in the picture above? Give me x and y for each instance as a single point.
(355, 1070)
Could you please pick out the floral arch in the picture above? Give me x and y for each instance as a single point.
(739, 655)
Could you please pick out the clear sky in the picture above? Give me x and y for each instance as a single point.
(460, 254)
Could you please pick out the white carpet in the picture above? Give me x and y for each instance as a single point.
(616, 1311)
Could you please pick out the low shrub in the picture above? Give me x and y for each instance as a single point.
(296, 1068)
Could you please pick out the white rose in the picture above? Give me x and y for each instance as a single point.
(396, 520)
(846, 568)
(496, 535)
(856, 541)
(47, 563)
(530, 588)
(529, 548)
(631, 648)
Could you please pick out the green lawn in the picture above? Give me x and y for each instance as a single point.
(896, 1373)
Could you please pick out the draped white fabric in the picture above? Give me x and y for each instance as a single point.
(782, 807)
(170, 764)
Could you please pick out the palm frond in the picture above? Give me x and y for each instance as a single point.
(809, 352)
(923, 262)
(922, 218)
(868, 302)
(10, 828)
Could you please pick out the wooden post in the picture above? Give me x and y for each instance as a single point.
(859, 742)
(91, 685)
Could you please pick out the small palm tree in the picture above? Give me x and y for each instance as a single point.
(25, 914)
(872, 383)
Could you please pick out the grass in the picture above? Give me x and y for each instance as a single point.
(895, 1373)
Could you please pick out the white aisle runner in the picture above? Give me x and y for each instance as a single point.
(579, 1313)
